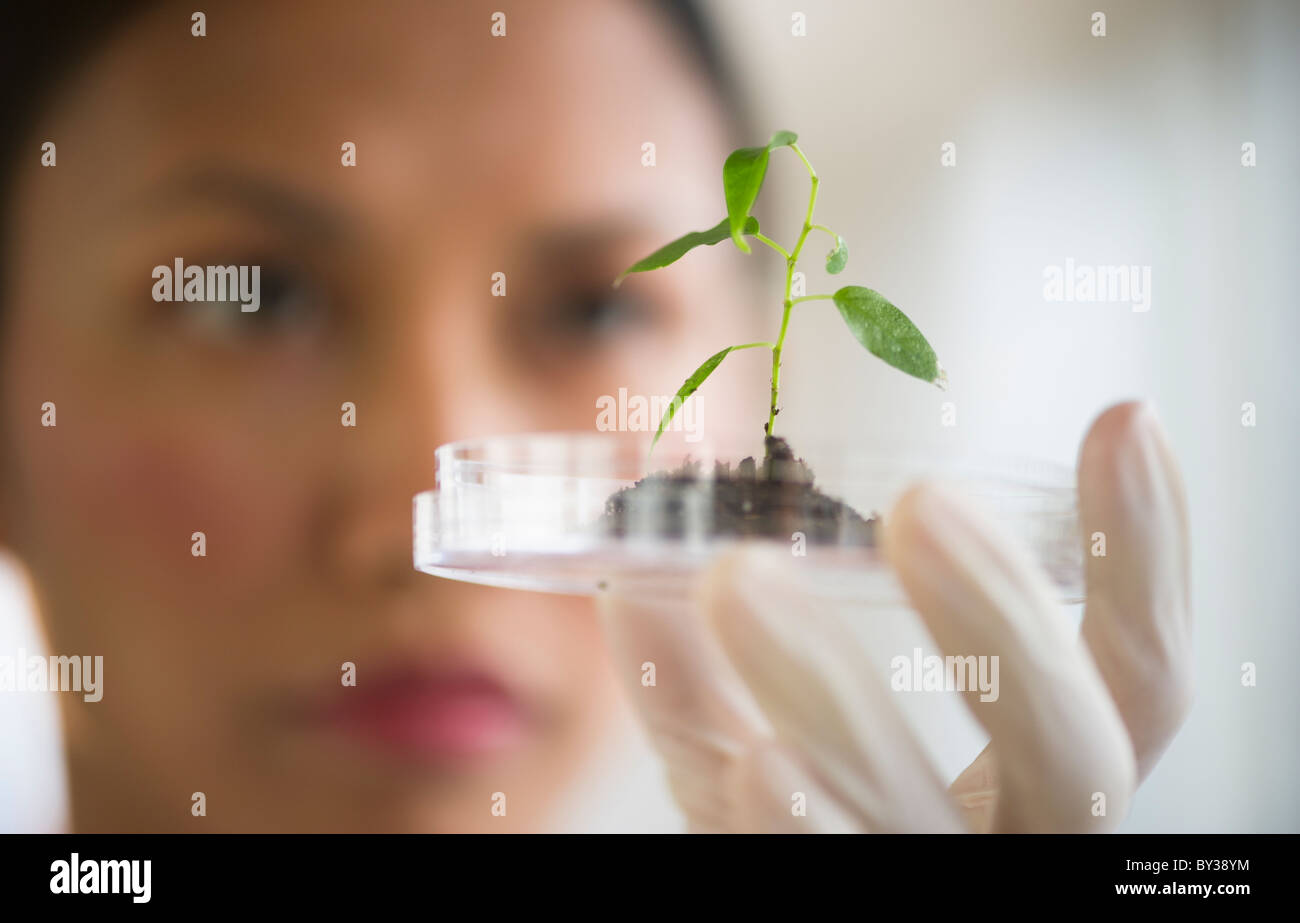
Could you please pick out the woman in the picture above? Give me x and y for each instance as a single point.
(227, 655)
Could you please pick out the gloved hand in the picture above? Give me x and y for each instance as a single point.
(758, 696)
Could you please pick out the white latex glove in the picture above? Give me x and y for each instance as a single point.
(758, 696)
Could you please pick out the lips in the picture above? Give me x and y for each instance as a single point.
(430, 714)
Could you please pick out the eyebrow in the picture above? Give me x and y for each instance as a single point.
(550, 242)
(267, 198)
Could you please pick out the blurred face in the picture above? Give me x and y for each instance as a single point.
(474, 155)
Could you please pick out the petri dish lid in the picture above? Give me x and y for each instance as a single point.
(532, 511)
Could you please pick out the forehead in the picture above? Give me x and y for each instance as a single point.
(444, 115)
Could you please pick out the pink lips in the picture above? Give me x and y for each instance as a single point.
(430, 714)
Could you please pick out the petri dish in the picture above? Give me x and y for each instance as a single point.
(531, 511)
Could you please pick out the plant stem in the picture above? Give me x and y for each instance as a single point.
(791, 261)
(812, 298)
(773, 244)
(822, 227)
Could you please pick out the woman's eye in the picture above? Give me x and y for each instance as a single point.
(286, 300)
(289, 298)
(597, 313)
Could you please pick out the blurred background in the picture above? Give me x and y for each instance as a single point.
(1125, 149)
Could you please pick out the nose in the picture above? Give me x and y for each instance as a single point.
(428, 379)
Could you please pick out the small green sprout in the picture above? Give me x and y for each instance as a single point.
(884, 330)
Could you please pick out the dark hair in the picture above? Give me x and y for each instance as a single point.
(44, 41)
(705, 48)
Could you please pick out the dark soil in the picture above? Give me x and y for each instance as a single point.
(771, 498)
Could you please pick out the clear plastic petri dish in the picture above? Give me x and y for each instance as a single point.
(532, 512)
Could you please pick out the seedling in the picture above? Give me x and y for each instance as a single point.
(881, 328)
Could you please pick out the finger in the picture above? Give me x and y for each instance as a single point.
(1058, 737)
(812, 681)
(976, 791)
(722, 765)
(1137, 622)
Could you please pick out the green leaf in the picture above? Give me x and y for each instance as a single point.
(689, 387)
(887, 333)
(742, 178)
(671, 253)
(838, 258)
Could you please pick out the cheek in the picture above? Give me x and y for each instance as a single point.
(158, 491)
(119, 486)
